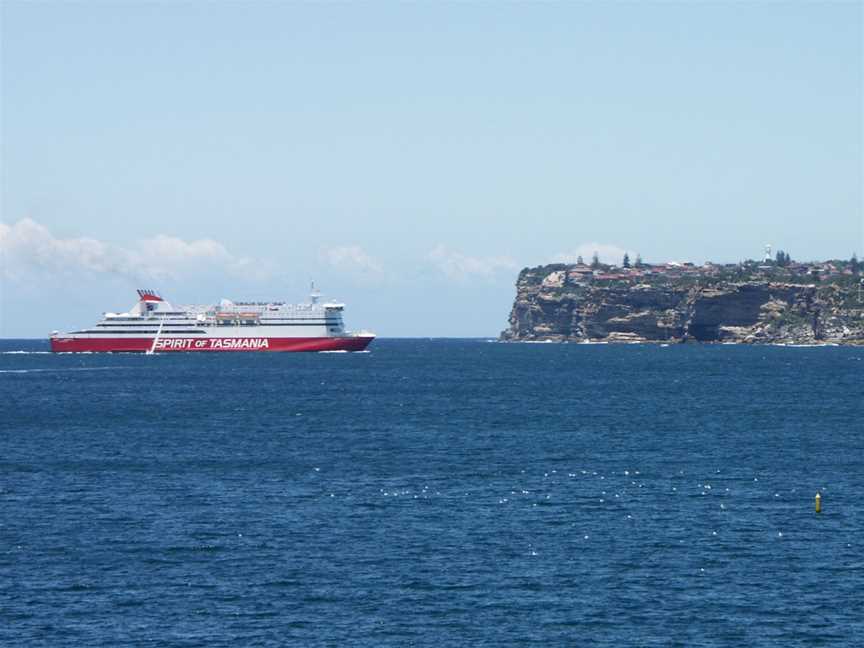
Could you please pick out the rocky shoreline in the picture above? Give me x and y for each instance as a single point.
(563, 303)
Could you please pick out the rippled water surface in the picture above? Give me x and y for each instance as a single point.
(433, 493)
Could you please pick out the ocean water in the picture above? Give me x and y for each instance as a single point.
(433, 492)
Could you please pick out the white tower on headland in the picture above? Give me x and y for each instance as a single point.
(767, 252)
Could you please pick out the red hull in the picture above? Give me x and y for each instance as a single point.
(141, 345)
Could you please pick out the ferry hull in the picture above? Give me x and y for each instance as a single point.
(197, 344)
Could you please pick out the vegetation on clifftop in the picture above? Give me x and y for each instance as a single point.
(773, 301)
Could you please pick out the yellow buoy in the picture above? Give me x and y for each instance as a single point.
(818, 503)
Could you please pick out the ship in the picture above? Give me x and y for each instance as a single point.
(154, 325)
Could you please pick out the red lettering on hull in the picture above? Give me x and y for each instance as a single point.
(142, 345)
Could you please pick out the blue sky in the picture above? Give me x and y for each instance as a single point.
(411, 158)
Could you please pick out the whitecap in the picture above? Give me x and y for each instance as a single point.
(24, 371)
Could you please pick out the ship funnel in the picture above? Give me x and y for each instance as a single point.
(147, 295)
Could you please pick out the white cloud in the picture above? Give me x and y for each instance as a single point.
(456, 265)
(352, 258)
(170, 250)
(608, 253)
(28, 249)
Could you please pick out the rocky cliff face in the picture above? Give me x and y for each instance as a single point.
(557, 303)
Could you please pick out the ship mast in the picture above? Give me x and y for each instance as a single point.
(314, 294)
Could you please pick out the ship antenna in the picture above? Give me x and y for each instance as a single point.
(314, 295)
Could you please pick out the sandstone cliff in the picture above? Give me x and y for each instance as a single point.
(569, 303)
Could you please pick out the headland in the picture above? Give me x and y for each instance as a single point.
(767, 302)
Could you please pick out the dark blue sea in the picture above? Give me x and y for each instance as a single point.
(433, 493)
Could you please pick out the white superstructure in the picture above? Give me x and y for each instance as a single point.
(226, 326)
